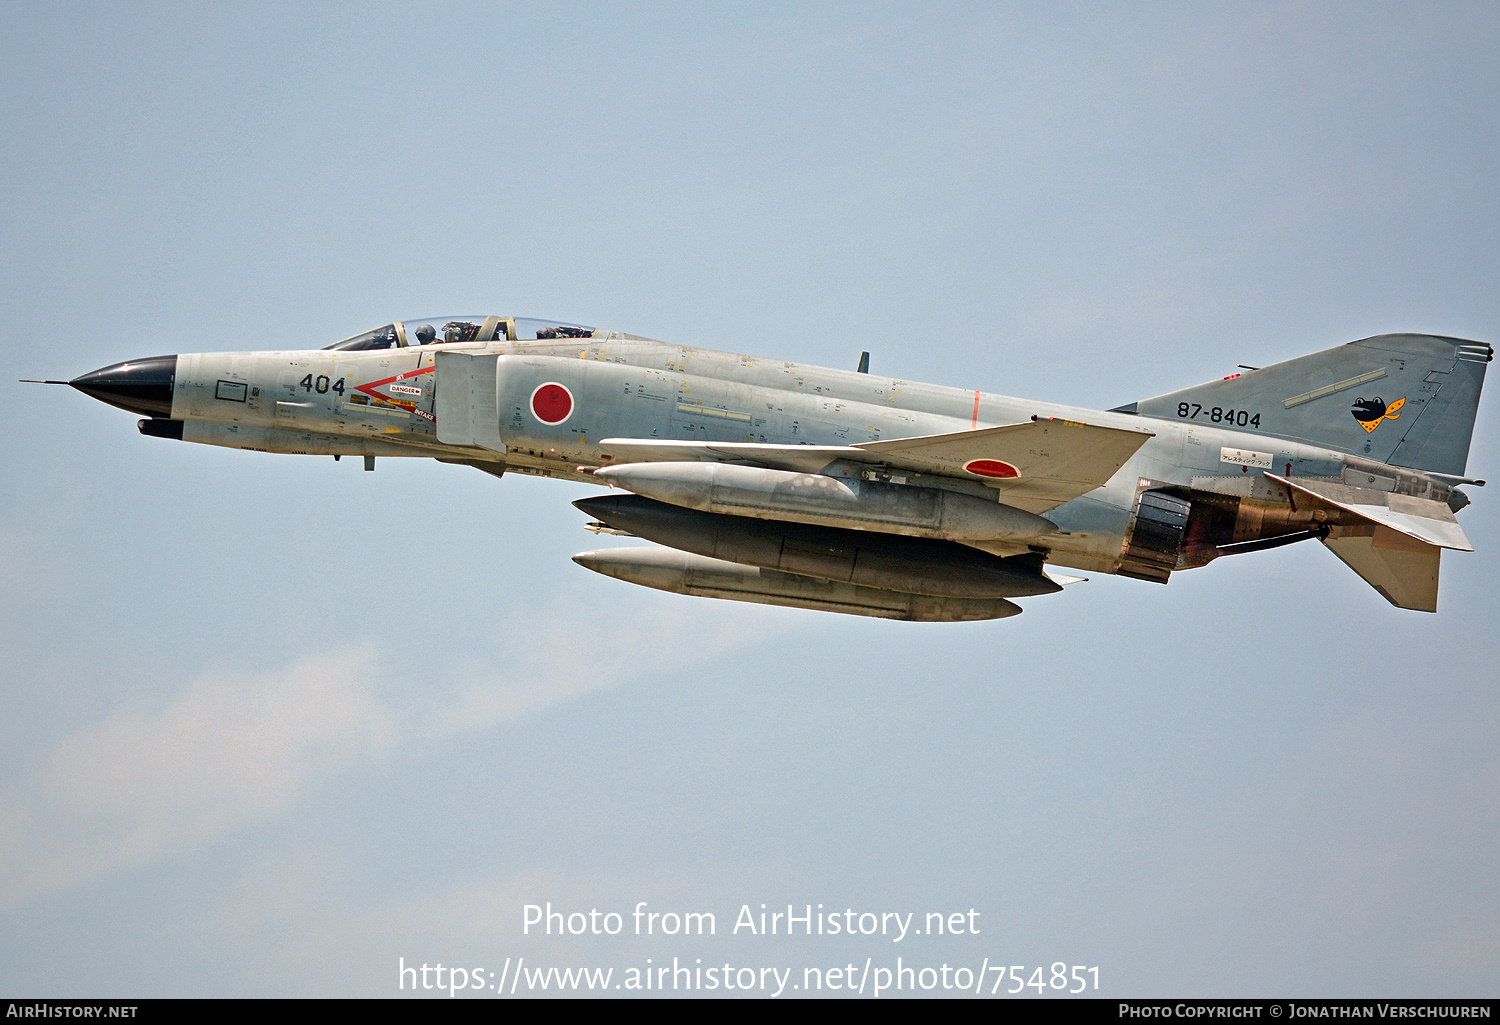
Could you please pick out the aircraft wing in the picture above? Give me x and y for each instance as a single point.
(1034, 466)
(1053, 461)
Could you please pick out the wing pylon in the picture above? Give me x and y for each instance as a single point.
(1034, 466)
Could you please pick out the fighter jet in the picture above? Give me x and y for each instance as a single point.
(766, 481)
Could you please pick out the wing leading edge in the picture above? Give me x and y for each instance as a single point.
(1034, 466)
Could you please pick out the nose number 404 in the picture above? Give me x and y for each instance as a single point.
(321, 384)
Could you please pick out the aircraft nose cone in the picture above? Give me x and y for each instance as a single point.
(139, 385)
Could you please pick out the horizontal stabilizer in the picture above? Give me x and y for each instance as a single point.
(1035, 466)
(1420, 519)
(1403, 569)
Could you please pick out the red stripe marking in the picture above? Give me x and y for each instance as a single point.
(410, 407)
(975, 422)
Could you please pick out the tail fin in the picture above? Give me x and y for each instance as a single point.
(1406, 400)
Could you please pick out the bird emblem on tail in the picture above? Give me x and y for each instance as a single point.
(1371, 412)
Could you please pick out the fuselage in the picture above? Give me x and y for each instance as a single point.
(389, 403)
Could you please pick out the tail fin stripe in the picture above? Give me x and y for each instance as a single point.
(1353, 382)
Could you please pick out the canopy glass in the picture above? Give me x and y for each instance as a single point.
(447, 330)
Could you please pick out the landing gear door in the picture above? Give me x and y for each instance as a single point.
(466, 413)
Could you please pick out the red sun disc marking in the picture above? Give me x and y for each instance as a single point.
(552, 403)
(991, 468)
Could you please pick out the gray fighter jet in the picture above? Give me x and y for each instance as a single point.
(775, 482)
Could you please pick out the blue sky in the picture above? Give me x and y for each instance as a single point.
(274, 723)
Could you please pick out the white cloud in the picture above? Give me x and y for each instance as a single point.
(230, 751)
(556, 658)
(226, 751)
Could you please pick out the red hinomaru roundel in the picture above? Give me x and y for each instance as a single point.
(992, 468)
(551, 403)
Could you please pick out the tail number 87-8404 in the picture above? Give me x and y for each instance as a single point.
(1218, 415)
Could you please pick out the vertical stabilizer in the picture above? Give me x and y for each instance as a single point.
(1407, 400)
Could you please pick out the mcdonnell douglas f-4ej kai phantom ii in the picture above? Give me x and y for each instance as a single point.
(786, 484)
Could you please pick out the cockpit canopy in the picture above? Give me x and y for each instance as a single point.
(442, 330)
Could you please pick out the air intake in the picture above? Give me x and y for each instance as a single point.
(1155, 537)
